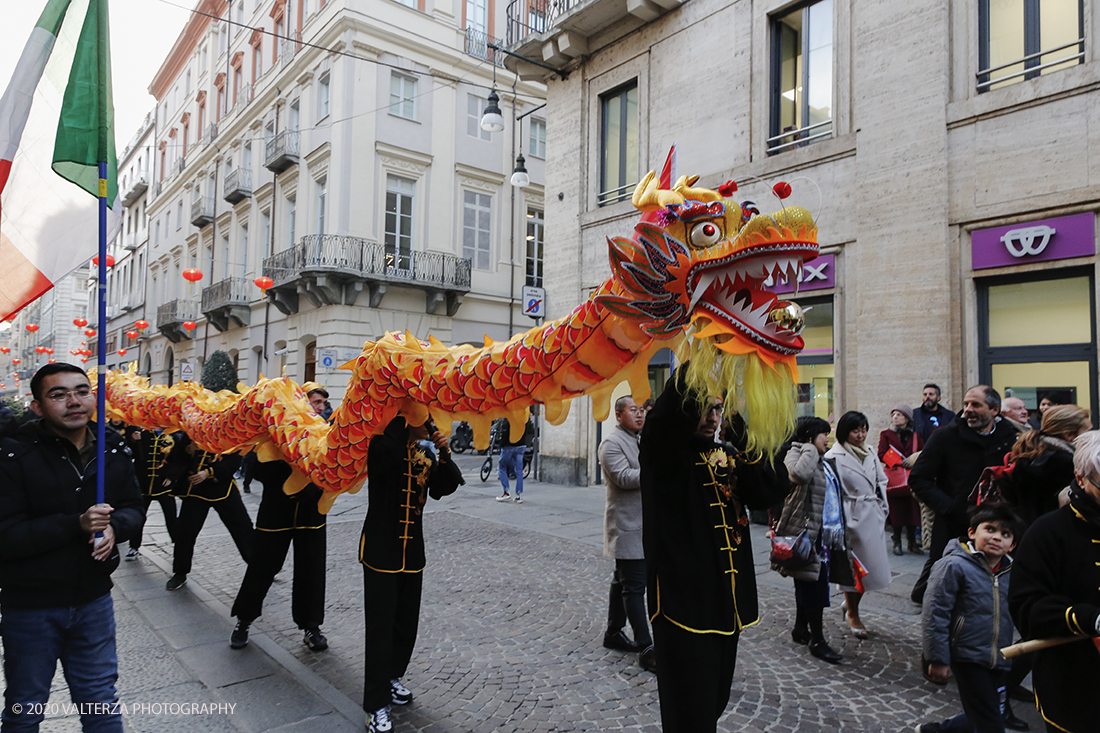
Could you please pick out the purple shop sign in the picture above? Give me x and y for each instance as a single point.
(817, 274)
(1034, 241)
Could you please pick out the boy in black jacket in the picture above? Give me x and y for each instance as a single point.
(55, 581)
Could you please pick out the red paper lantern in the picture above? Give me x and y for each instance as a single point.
(49, 351)
(16, 361)
(80, 322)
(142, 325)
(122, 352)
(193, 275)
(190, 325)
(85, 360)
(5, 350)
(32, 327)
(53, 361)
(264, 282)
(89, 332)
(83, 343)
(110, 261)
(132, 334)
(40, 349)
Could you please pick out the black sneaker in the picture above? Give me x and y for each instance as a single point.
(399, 693)
(176, 582)
(379, 721)
(315, 640)
(825, 653)
(239, 638)
(133, 554)
(619, 642)
(648, 660)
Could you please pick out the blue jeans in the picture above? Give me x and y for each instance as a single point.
(83, 638)
(511, 459)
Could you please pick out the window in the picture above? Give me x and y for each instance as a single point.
(202, 121)
(399, 222)
(265, 230)
(236, 84)
(156, 234)
(223, 41)
(244, 248)
(537, 146)
(179, 212)
(322, 187)
(477, 15)
(291, 220)
(221, 103)
(618, 144)
(240, 16)
(246, 158)
(535, 225)
(816, 370)
(203, 60)
(477, 212)
(403, 96)
(475, 105)
(277, 41)
(802, 77)
(186, 137)
(409, 3)
(1021, 39)
(187, 84)
(167, 222)
(295, 116)
(225, 256)
(257, 61)
(322, 97)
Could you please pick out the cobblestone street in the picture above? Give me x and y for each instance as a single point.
(513, 612)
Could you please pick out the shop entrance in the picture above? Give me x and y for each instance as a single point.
(1037, 337)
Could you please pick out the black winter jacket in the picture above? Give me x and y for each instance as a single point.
(1036, 483)
(926, 423)
(45, 557)
(1056, 593)
(952, 462)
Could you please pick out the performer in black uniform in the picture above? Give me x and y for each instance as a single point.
(701, 581)
(401, 473)
(159, 463)
(209, 483)
(279, 520)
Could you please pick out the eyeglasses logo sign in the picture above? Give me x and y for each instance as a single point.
(1027, 240)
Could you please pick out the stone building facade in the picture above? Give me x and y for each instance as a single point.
(334, 148)
(948, 148)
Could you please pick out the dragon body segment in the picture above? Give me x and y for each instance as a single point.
(696, 268)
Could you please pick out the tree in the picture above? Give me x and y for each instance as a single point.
(218, 373)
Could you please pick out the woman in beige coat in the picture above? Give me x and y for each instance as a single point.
(864, 484)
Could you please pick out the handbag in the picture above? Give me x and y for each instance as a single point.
(792, 553)
(897, 476)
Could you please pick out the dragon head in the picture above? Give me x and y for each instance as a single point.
(700, 261)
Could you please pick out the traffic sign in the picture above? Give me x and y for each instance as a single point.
(187, 371)
(327, 358)
(534, 301)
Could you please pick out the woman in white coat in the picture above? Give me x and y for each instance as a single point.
(865, 509)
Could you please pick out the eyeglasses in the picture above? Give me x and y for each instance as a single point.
(81, 393)
(716, 408)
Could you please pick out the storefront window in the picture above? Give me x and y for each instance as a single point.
(1038, 338)
(816, 371)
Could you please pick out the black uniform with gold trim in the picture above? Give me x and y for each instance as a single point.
(160, 462)
(401, 475)
(219, 491)
(1055, 592)
(281, 519)
(701, 582)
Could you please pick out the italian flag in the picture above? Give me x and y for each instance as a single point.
(56, 126)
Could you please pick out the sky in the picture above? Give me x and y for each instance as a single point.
(142, 33)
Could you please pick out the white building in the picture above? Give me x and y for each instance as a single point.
(335, 148)
(954, 145)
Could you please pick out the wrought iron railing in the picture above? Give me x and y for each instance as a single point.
(177, 311)
(284, 267)
(441, 269)
(211, 132)
(288, 48)
(230, 291)
(332, 251)
(238, 179)
(202, 208)
(528, 17)
(477, 45)
(285, 143)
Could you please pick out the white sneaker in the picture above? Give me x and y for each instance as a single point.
(379, 721)
(504, 497)
(132, 554)
(518, 499)
(400, 694)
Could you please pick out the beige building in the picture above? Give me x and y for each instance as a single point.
(334, 148)
(949, 150)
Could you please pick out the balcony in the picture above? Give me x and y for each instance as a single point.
(477, 45)
(172, 315)
(225, 303)
(211, 132)
(281, 151)
(288, 48)
(238, 185)
(332, 270)
(137, 187)
(202, 211)
(556, 32)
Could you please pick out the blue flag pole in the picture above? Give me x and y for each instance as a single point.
(101, 372)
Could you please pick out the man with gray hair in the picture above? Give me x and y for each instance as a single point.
(1055, 595)
(622, 531)
(951, 464)
(1015, 410)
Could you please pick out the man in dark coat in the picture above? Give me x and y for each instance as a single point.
(55, 578)
(700, 575)
(951, 464)
(1055, 594)
(931, 415)
(209, 483)
(405, 465)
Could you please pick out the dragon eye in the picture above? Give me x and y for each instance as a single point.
(705, 234)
